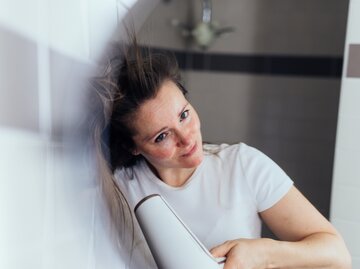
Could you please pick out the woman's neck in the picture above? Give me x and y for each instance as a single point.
(175, 177)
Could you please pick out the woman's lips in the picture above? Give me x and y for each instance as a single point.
(191, 151)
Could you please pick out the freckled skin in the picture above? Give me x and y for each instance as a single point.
(177, 148)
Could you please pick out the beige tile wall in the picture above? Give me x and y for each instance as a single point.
(292, 119)
(276, 27)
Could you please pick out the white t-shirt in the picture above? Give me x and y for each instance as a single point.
(219, 202)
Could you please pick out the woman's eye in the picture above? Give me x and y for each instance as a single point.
(184, 115)
(160, 138)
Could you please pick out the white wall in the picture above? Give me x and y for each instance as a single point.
(50, 213)
(345, 205)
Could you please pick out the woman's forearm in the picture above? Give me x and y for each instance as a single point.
(320, 250)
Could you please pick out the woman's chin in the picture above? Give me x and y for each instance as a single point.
(195, 161)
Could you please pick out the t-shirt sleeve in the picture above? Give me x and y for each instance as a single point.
(268, 182)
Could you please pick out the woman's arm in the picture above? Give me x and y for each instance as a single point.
(308, 240)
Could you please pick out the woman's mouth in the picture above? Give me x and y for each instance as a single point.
(191, 151)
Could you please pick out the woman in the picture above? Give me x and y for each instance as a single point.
(152, 143)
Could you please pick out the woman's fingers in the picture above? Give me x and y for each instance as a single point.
(223, 249)
(243, 253)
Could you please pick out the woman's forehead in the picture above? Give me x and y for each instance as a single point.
(159, 111)
(168, 97)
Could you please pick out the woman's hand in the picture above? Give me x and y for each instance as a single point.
(308, 240)
(244, 253)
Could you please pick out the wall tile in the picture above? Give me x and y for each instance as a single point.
(18, 15)
(265, 18)
(353, 31)
(102, 22)
(345, 203)
(69, 84)
(69, 36)
(19, 81)
(351, 234)
(23, 162)
(346, 168)
(356, 262)
(223, 110)
(293, 97)
(276, 27)
(286, 118)
(348, 133)
(301, 150)
(350, 96)
(309, 129)
(158, 29)
(352, 68)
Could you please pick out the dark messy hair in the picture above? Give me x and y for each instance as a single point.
(138, 79)
(131, 77)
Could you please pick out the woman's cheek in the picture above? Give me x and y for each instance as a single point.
(164, 152)
(195, 123)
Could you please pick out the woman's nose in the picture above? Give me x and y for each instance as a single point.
(184, 137)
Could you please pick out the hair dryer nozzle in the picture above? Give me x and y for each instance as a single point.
(171, 242)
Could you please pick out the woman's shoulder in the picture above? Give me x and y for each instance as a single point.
(129, 173)
(226, 148)
(240, 153)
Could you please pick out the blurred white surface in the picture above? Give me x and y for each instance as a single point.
(22, 192)
(75, 28)
(51, 214)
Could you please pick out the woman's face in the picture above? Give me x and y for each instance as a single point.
(168, 130)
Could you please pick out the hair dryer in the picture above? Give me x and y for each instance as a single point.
(171, 242)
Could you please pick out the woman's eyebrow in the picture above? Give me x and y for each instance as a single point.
(182, 110)
(151, 136)
(148, 137)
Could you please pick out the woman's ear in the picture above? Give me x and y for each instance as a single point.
(135, 152)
